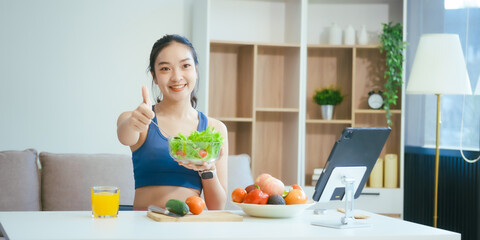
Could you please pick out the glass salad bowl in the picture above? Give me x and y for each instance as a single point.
(188, 151)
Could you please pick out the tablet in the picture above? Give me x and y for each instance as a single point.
(354, 154)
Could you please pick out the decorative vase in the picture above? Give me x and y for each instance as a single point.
(363, 36)
(327, 111)
(335, 37)
(349, 36)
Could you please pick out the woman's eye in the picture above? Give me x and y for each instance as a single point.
(164, 69)
(186, 65)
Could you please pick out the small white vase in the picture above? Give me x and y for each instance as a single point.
(335, 37)
(363, 36)
(327, 111)
(349, 36)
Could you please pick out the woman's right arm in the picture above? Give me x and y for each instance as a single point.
(131, 124)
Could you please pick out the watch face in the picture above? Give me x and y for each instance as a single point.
(207, 175)
(375, 101)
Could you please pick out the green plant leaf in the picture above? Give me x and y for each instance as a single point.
(393, 45)
(328, 96)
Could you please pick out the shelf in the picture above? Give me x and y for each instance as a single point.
(334, 121)
(277, 77)
(232, 83)
(267, 44)
(268, 21)
(329, 46)
(276, 109)
(319, 141)
(377, 111)
(239, 137)
(327, 67)
(275, 145)
(369, 71)
(225, 119)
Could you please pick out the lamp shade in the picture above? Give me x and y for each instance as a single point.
(439, 66)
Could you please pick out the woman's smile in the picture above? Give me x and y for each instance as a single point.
(178, 87)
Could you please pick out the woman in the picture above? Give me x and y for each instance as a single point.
(158, 177)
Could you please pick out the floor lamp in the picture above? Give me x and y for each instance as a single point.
(439, 68)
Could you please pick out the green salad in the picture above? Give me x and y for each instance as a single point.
(198, 147)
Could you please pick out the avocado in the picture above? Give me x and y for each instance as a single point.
(176, 206)
(276, 200)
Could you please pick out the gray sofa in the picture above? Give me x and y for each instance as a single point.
(62, 182)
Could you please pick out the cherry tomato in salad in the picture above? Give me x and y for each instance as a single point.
(202, 153)
(181, 153)
(238, 195)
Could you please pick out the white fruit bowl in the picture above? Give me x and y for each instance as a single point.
(274, 211)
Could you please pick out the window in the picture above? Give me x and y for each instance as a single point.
(457, 17)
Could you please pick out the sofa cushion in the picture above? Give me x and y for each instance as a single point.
(239, 175)
(19, 181)
(67, 179)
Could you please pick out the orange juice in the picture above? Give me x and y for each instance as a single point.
(105, 202)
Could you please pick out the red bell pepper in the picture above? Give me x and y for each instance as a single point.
(256, 197)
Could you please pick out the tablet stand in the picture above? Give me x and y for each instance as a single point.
(348, 220)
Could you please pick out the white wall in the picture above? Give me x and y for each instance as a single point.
(69, 68)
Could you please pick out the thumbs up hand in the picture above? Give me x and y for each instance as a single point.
(142, 116)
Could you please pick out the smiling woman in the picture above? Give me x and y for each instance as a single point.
(159, 177)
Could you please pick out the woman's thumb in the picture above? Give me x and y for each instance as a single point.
(146, 96)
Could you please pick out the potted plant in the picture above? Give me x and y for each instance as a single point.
(391, 42)
(327, 98)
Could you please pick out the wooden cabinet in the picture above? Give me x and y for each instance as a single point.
(356, 70)
(254, 90)
(266, 58)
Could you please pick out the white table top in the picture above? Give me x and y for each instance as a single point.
(136, 225)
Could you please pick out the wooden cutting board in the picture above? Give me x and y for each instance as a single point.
(206, 216)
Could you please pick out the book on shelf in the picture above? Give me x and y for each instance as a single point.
(316, 175)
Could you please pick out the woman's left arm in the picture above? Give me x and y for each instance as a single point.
(215, 189)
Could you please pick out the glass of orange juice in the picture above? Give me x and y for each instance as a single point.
(105, 201)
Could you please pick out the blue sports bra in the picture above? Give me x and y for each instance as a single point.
(153, 165)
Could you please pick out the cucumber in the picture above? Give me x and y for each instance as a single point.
(176, 206)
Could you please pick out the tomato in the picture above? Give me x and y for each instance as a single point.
(195, 204)
(202, 153)
(256, 197)
(180, 153)
(296, 196)
(296, 186)
(238, 195)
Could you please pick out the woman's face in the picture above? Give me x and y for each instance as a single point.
(175, 72)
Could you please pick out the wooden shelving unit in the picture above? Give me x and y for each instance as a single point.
(266, 59)
(356, 70)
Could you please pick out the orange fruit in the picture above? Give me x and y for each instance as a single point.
(195, 204)
(238, 195)
(296, 196)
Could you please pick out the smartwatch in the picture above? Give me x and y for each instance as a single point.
(207, 174)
